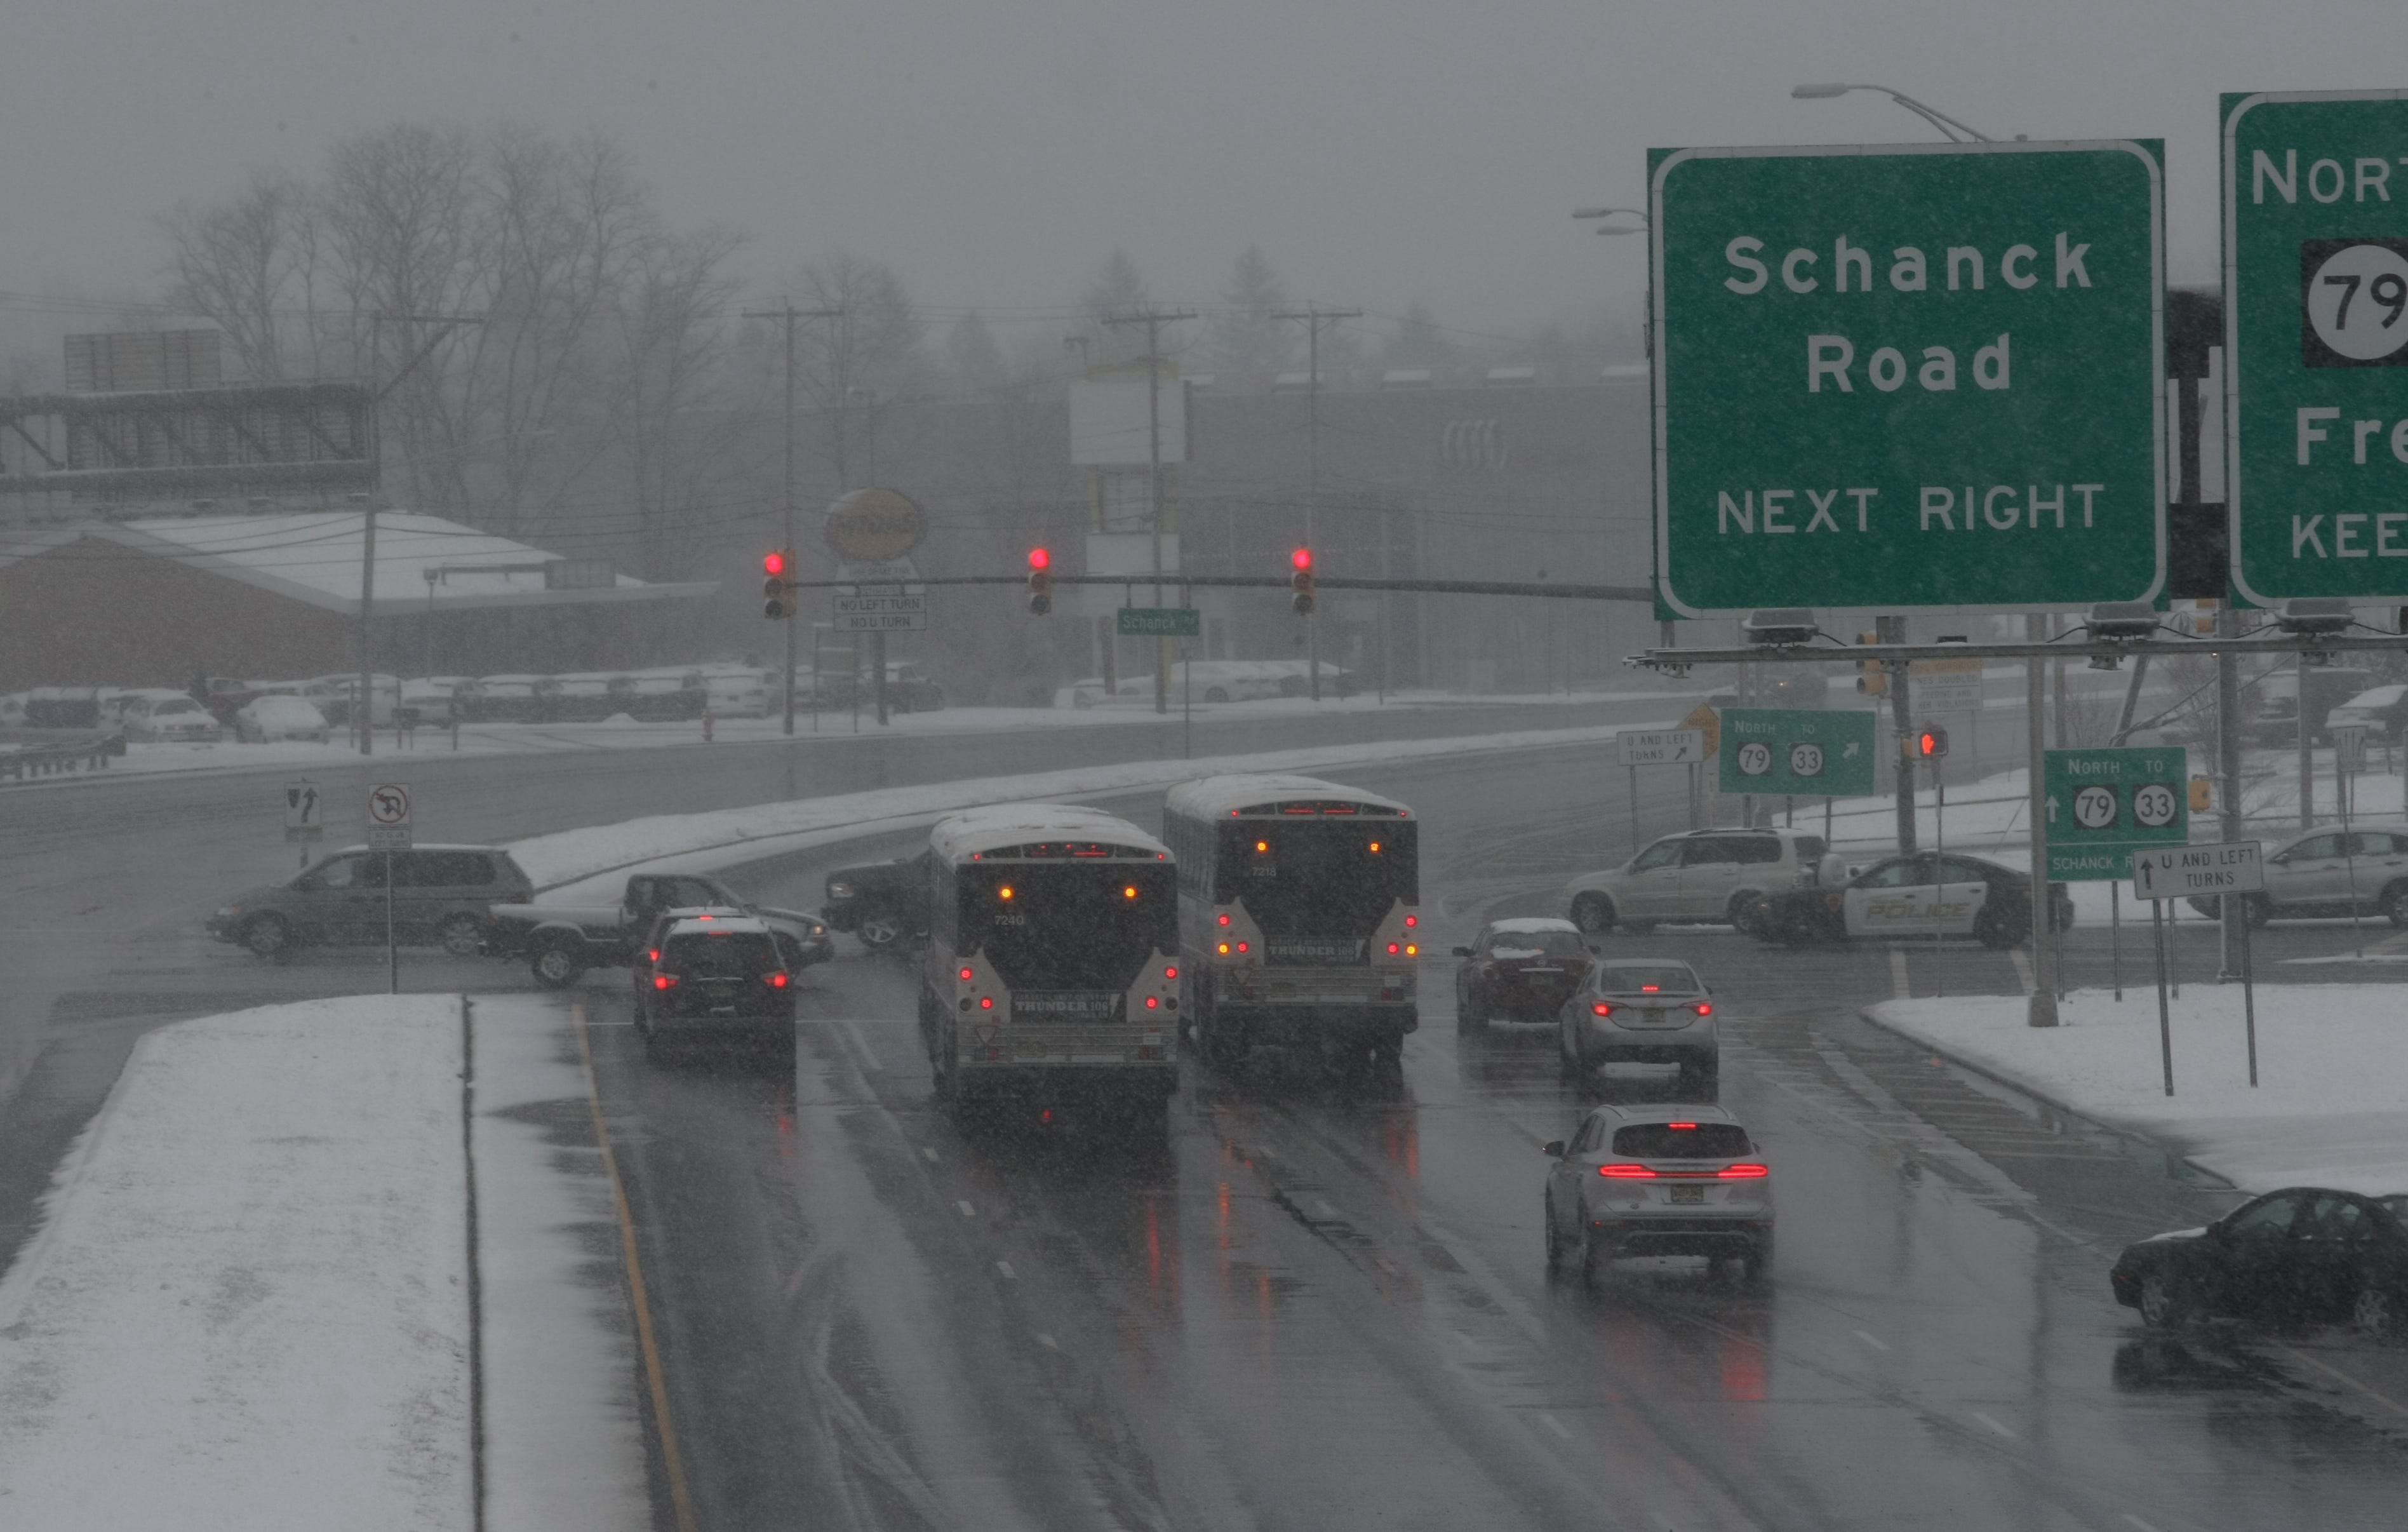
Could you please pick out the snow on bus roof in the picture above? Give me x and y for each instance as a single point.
(1212, 796)
(999, 824)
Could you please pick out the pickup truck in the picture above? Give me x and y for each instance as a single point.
(560, 941)
(881, 902)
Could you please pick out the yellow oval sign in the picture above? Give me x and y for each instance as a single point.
(870, 526)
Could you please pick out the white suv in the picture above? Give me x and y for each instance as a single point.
(1702, 875)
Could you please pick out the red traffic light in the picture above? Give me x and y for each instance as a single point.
(1040, 559)
(773, 563)
(1040, 583)
(1302, 559)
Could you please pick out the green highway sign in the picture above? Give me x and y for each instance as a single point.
(1161, 623)
(1797, 751)
(1920, 376)
(2104, 804)
(2316, 343)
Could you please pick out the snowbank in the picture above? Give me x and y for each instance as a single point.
(2331, 1107)
(553, 860)
(247, 1309)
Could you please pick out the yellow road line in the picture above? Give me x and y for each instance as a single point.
(672, 1461)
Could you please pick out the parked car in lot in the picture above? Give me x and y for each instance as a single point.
(505, 699)
(62, 708)
(560, 941)
(2303, 1255)
(441, 896)
(1659, 1180)
(881, 902)
(715, 978)
(1643, 1010)
(2382, 711)
(2325, 873)
(115, 701)
(174, 719)
(1925, 895)
(271, 718)
(1518, 971)
(1700, 875)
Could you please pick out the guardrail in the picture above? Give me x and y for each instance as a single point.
(43, 753)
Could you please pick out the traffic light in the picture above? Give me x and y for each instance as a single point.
(1300, 582)
(1040, 583)
(778, 589)
(1932, 744)
(1872, 679)
(2203, 795)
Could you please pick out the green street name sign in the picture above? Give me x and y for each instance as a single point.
(1898, 377)
(2316, 343)
(2102, 805)
(1160, 622)
(1797, 751)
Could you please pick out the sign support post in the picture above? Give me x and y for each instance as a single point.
(2165, 1019)
(2041, 1010)
(390, 829)
(2226, 870)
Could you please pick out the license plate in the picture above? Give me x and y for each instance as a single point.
(1684, 1196)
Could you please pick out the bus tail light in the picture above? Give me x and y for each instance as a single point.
(1223, 949)
(775, 981)
(665, 980)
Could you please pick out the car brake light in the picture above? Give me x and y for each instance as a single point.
(665, 980)
(1649, 989)
(1601, 1008)
(775, 981)
(1625, 1172)
(1743, 1172)
(1704, 1010)
(1683, 1127)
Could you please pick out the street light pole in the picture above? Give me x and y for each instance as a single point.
(1154, 319)
(1951, 129)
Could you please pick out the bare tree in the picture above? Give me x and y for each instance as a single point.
(672, 411)
(856, 359)
(251, 265)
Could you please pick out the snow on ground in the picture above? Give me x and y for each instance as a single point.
(2332, 1104)
(247, 1309)
(731, 834)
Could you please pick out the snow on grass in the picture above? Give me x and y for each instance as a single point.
(247, 1309)
(2331, 1107)
(749, 833)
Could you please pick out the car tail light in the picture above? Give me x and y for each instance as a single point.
(1601, 1008)
(1649, 989)
(1743, 1172)
(775, 981)
(1682, 1127)
(1704, 1010)
(665, 980)
(1625, 1172)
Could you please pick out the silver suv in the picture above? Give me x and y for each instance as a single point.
(1659, 1180)
(1702, 874)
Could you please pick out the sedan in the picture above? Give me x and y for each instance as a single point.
(1677, 1180)
(269, 718)
(1643, 1010)
(175, 719)
(2302, 1254)
(1520, 970)
(1925, 895)
(2330, 872)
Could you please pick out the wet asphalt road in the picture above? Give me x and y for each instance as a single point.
(1320, 1303)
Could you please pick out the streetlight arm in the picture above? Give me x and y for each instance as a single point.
(1949, 127)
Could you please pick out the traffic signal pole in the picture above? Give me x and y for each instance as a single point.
(1313, 316)
(2041, 1012)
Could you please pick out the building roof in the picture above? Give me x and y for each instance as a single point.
(314, 557)
(1217, 796)
(1006, 824)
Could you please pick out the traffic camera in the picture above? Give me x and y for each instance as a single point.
(778, 589)
(1300, 582)
(1040, 583)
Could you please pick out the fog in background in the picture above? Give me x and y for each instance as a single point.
(993, 153)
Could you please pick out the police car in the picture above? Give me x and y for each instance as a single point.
(1929, 893)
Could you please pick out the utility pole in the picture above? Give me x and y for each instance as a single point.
(787, 313)
(1892, 630)
(1153, 318)
(364, 700)
(1313, 315)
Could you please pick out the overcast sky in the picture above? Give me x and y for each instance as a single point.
(1380, 152)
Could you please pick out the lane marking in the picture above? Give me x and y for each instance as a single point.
(1556, 1425)
(672, 1460)
(2024, 969)
(931, 1153)
(2135, 1520)
(1047, 1341)
(2338, 1376)
(1005, 1268)
(968, 1211)
(1875, 1341)
(1899, 988)
(1995, 1426)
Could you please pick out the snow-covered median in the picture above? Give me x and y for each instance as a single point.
(247, 1308)
(2332, 1104)
(748, 834)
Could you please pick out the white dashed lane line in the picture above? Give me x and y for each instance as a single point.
(1556, 1425)
(1875, 1341)
(968, 1211)
(1005, 1268)
(1994, 1426)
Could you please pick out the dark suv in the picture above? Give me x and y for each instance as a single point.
(716, 978)
(440, 896)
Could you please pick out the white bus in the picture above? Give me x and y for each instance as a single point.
(1299, 913)
(1053, 970)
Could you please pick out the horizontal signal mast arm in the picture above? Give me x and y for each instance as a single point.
(1277, 582)
(2272, 643)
